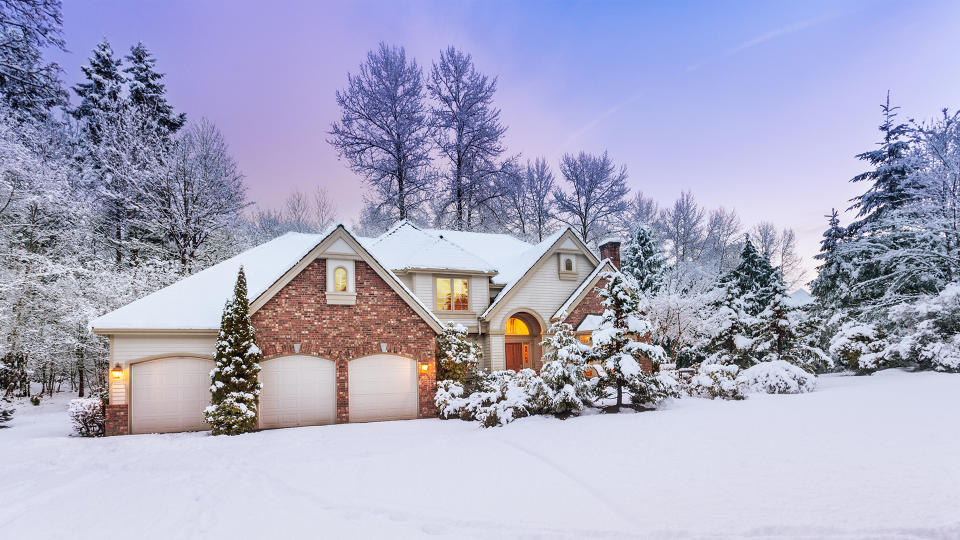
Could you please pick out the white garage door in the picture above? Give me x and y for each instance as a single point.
(169, 394)
(382, 387)
(297, 391)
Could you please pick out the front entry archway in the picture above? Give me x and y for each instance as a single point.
(522, 337)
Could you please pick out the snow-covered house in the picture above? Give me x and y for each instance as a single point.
(347, 324)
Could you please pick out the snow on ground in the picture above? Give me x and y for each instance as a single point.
(861, 457)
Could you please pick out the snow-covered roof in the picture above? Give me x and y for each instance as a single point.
(405, 246)
(196, 302)
(604, 266)
(590, 323)
(799, 298)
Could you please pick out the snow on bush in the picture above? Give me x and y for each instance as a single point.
(716, 381)
(458, 357)
(859, 346)
(87, 415)
(776, 377)
(6, 414)
(449, 399)
(649, 390)
(931, 331)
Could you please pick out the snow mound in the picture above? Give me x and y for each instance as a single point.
(776, 377)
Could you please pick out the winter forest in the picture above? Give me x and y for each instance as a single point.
(108, 193)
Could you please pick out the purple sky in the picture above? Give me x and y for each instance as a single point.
(758, 106)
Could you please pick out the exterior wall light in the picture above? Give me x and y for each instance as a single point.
(383, 347)
(296, 348)
(424, 367)
(116, 373)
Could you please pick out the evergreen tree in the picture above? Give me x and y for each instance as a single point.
(752, 279)
(148, 92)
(888, 178)
(731, 324)
(644, 260)
(619, 343)
(236, 389)
(564, 365)
(775, 334)
(458, 357)
(100, 94)
(28, 85)
(831, 286)
(6, 414)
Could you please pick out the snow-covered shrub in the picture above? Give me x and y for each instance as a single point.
(87, 415)
(235, 390)
(505, 396)
(776, 377)
(35, 400)
(930, 331)
(650, 390)
(716, 381)
(860, 347)
(6, 414)
(458, 357)
(449, 399)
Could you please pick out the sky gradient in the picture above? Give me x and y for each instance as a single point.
(757, 106)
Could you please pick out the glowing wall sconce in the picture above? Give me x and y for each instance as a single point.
(116, 373)
(424, 367)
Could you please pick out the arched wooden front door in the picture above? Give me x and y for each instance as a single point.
(522, 342)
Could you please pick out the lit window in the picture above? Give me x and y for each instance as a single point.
(516, 327)
(340, 279)
(584, 338)
(452, 294)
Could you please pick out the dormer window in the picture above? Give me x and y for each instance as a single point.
(567, 267)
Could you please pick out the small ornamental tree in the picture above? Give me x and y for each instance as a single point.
(458, 357)
(236, 388)
(644, 260)
(730, 342)
(564, 364)
(617, 342)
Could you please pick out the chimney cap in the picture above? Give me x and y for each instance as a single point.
(610, 240)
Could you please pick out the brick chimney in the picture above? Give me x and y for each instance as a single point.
(610, 249)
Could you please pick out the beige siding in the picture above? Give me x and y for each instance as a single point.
(423, 288)
(479, 293)
(543, 293)
(407, 280)
(126, 348)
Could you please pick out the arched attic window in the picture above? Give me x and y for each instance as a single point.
(340, 279)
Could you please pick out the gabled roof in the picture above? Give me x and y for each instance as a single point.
(196, 302)
(521, 267)
(589, 283)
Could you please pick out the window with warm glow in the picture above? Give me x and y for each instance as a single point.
(584, 338)
(516, 327)
(453, 294)
(340, 279)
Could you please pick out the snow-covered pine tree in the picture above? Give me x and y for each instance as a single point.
(831, 286)
(729, 328)
(6, 413)
(148, 92)
(644, 260)
(564, 364)
(458, 357)
(620, 341)
(752, 279)
(235, 389)
(28, 85)
(887, 179)
(100, 94)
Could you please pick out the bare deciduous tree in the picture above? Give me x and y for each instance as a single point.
(598, 191)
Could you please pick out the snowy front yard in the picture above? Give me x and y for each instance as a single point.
(861, 457)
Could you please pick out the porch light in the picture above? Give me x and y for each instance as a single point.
(116, 373)
(424, 367)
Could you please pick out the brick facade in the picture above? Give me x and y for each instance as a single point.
(117, 420)
(299, 313)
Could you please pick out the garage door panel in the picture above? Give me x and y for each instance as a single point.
(169, 394)
(297, 391)
(382, 387)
